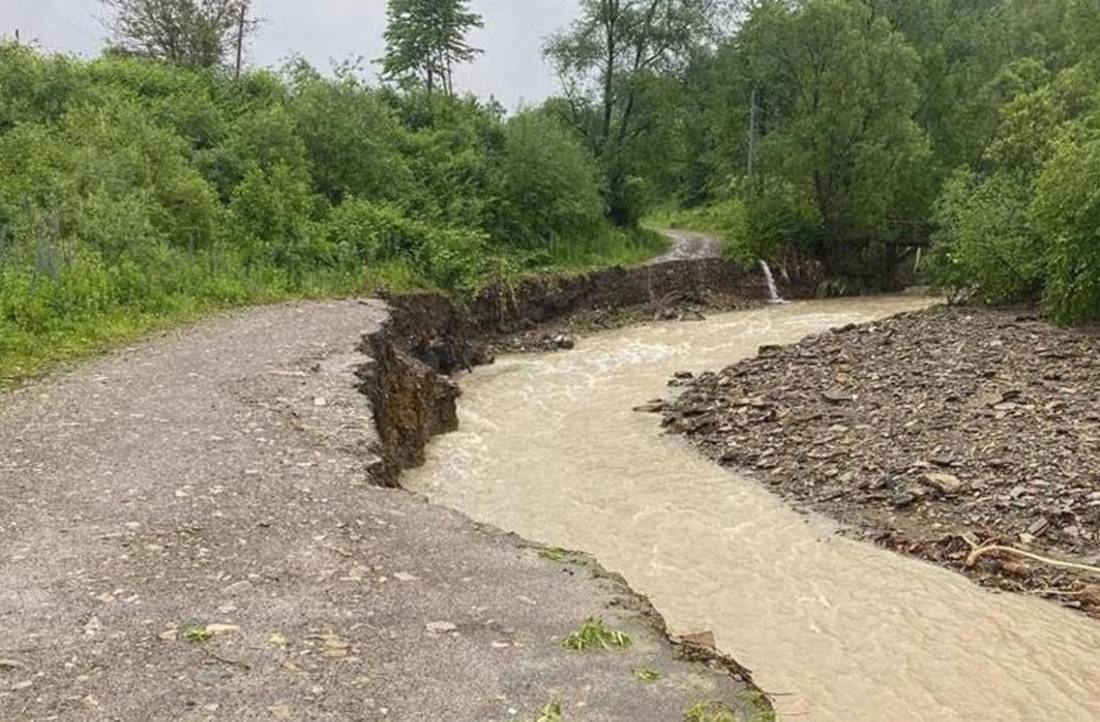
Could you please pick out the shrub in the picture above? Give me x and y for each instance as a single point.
(550, 186)
(986, 240)
(1066, 212)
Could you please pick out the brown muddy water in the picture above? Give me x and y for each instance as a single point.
(840, 630)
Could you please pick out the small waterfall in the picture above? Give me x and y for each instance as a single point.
(773, 291)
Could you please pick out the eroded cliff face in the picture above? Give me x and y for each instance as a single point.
(430, 336)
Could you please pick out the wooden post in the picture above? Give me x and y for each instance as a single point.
(240, 38)
(752, 138)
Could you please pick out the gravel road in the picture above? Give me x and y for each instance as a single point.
(689, 246)
(189, 535)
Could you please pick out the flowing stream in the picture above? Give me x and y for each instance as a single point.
(839, 630)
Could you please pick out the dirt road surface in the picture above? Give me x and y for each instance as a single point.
(689, 246)
(188, 534)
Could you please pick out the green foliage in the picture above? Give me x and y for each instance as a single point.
(551, 185)
(352, 139)
(426, 39)
(645, 674)
(986, 241)
(135, 194)
(1066, 212)
(854, 131)
(710, 712)
(609, 58)
(192, 33)
(839, 101)
(594, 635)
(550, 713)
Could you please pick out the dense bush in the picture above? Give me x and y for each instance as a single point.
(133, 193)
(856, 131)
(549, 185)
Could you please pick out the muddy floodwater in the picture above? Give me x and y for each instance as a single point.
(838, 630)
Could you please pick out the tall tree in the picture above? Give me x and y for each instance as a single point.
(188, 33)
(426, 39)
(840, 93)
(604, 59)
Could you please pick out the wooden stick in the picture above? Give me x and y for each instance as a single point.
(982, 551)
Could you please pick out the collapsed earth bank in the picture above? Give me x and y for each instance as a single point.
(964, 436)
(429, 336)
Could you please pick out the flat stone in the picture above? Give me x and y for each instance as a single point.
(945, 483)
(440, 627)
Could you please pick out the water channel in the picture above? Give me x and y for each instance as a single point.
(839, 630)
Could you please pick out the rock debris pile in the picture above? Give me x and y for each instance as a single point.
(930, 432)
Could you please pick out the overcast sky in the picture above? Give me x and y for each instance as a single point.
(512, 68)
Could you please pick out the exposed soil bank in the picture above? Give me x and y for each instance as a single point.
(930, 432)
(429, 335)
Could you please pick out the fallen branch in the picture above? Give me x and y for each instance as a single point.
(980, 551)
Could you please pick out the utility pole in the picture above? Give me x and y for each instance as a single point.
(241, 22)
(752, 137)
(17, 36)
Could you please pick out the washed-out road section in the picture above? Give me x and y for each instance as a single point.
(188, 534)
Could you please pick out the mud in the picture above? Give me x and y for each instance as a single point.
(934, 433)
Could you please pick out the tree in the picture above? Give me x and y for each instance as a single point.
(426, 39)
(603, 60)
(187, 33)
(840, 92)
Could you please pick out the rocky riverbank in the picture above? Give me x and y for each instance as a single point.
(940, 434)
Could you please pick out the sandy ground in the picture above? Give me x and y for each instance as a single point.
(189, 535)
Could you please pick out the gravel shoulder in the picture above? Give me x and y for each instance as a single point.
(189, 534)
(935, 433)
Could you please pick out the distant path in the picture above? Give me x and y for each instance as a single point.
(689, 246)
(216, 476)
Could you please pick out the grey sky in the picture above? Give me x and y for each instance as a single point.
(512, 67)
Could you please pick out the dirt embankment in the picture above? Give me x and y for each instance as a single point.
(936, 433)
(429, 336)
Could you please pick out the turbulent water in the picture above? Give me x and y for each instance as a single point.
(837, 629)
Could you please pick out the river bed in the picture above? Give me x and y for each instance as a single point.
(837, 630)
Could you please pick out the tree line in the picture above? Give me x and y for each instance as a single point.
(164, 179)
(154, 183)
(869, 133)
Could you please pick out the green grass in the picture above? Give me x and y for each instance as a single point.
(562, 556)
(44, 325)
(198, 635)
(594, 635)
(613, 247)
(550, 713)
(646, 674)
(710, 712)
(762, 710)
